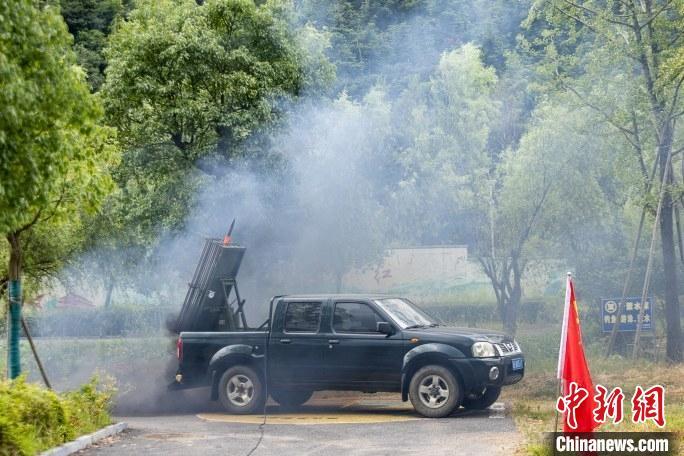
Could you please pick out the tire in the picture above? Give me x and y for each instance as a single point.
(435, 392)
(484, 400)
(241, 390)
(290, 399)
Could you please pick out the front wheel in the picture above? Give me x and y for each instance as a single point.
(435, 392)
(290, 399)
(241, 390)
(483, 400)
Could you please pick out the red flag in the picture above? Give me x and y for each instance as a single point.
(573, 370)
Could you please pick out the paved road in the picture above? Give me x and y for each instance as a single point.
(328, 425)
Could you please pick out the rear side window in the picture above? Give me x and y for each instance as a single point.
(302, 316)
(355, 317)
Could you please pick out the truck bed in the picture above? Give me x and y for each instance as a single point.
(199, 347)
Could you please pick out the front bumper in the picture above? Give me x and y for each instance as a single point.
(475, 372)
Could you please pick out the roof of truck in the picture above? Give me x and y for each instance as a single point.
(339, 296)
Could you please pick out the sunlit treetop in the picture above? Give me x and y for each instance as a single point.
(52, 152)
(202, 78)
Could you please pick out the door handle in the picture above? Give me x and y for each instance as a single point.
(285, 341)
(334, 341)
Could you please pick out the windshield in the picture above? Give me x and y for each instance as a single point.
(405, 313)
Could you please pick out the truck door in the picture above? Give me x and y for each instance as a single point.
(357, 353)
(296, 348)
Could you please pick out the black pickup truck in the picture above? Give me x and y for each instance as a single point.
(368, 343)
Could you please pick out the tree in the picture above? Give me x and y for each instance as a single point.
(46, 248)
(390, 41)
(53, 154)
(188, 88)
(472, 174)
(90, 22)
(545, 194)
(194, 82)
(644, 46)
(442, 127)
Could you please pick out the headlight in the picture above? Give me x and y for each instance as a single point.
(483, 350)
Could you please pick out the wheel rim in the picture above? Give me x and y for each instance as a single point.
(240, 390)
(433, 391)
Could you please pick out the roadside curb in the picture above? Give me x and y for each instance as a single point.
(85, 440)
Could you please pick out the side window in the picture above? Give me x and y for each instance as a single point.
(355, 317)
(302, 316)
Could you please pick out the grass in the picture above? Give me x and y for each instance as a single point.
(72, 361)
(33, 419)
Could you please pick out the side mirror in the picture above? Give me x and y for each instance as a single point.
(384, 328)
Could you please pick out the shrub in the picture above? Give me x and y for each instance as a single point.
(33, 419)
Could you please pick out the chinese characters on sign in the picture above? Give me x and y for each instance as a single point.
(629, 316)
(646, 404)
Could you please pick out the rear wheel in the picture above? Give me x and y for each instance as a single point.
(484, 400)
(241, 390)
(435, 392)
(289, 398)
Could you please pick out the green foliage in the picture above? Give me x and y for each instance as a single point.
(33, 419)
(443, 124)
(623, 60)
(47, 248)
(51, 147)
(390, 41)
(190, 76)
(88, 407)
(90, 23)
(188, 88)
(88, 15)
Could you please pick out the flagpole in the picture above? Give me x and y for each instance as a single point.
(555, 424)
(561, 352)
(560, 391)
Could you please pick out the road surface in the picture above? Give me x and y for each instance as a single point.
(327, 425)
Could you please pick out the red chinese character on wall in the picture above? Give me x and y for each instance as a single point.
(649, 405)
(609, 405)
(568, 404)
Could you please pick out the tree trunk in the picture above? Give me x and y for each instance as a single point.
(672, 313)
(489, 268)
(501, 304)
(510, 323)
(110, 289)
(15, 260)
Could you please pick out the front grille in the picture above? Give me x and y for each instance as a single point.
(507, 348)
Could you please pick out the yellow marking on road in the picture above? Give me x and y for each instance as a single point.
(311, 418)
(174, 437)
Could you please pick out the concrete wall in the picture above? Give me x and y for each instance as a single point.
(413, 265)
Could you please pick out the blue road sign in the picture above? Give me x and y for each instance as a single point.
(630, 314)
